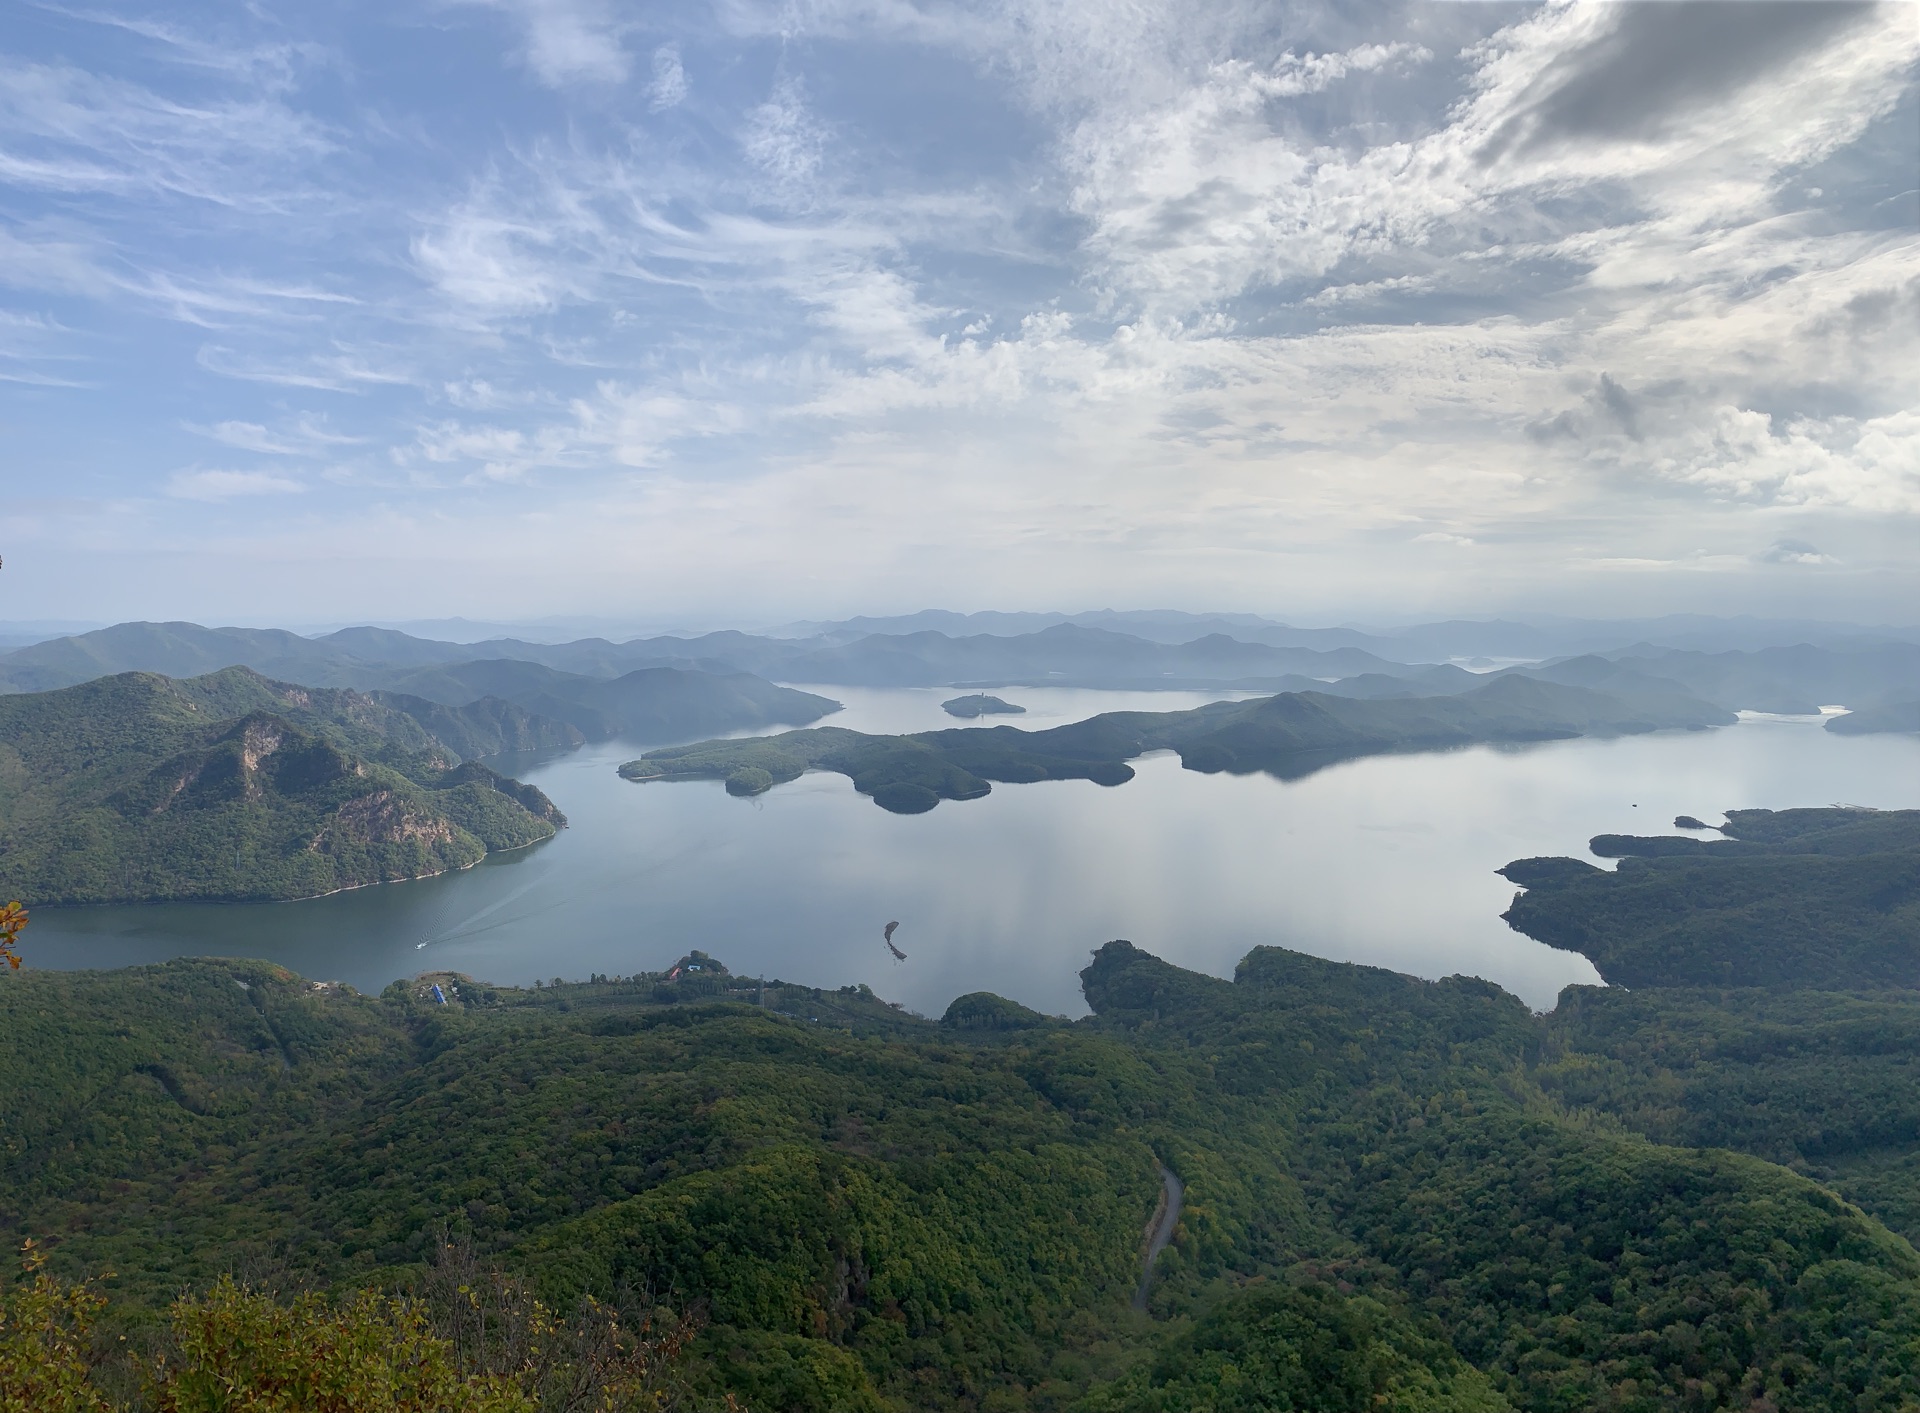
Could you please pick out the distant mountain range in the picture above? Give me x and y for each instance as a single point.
(1536, 638)
(723, 680)
(506, 702)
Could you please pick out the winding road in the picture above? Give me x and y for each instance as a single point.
(1168, 1214)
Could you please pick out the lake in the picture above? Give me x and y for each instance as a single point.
(1388, 860)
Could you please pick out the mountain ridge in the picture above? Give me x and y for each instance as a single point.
(136, 787)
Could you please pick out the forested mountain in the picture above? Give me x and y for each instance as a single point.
(1398, 1194)
(482, 726)
(1288, 735)
(234, 786)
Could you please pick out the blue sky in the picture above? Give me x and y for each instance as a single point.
(740, 312)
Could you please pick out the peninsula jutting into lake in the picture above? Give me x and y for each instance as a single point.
(1288, 735)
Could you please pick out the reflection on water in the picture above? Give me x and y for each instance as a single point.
(1387, 860)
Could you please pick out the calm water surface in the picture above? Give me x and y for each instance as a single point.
(1387, 861)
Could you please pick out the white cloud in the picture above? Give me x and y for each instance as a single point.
(783, 138)
(305, 435)
(1794, 552)
(568, 41)
(1871, 466)
(1295, 75)
(669, 87)
(52, 260)
(66, 130)
(337, 370)
(226, 485)
(249, 436)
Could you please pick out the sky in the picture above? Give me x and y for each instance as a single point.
(751, 310)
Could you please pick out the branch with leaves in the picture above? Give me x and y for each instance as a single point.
(13, 918)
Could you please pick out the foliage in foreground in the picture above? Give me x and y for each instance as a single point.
(13, 921)
(484, 1347)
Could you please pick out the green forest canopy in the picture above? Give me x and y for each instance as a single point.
(1808, 897)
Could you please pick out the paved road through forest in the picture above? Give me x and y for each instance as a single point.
(1162, 1231)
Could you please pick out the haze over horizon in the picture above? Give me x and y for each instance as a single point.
(749, 312)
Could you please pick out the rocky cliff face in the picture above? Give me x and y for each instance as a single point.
(233, 786)
(382, 818)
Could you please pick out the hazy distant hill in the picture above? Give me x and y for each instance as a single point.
(1535, 638)
(1894, 716)
(648, 701)
(171, 649)
(726, 651)
(1799, 679)
(1220, 651)
(368, 658)
(1064, 653)
(1288, 735)
(231, 785)
(1153, 625)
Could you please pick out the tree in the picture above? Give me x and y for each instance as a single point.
(13, 918)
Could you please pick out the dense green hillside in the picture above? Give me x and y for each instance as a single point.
(1773, 1008)
(234, 786)
(1288, 735)
(1812, 897)
(1825, 1082)
(1396, 1194)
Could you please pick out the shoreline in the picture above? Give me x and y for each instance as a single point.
(302, 898)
